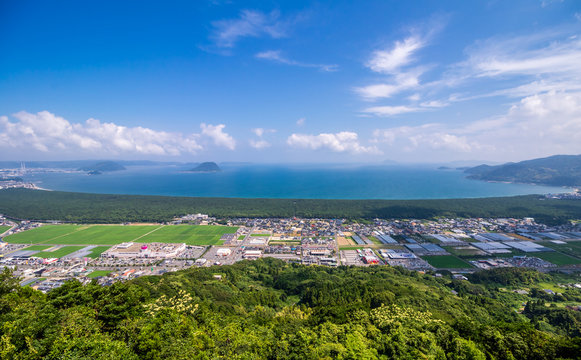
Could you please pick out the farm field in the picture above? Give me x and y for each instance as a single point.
(42, 234)
(37, 247)
(557, 258)
(98, 273)
(446, 262)
(189, 234)
(116, 234)
(97, 251)
(4, 228)
(570, 248)
(65, 250)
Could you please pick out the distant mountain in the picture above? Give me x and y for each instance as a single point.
(103, 166)
(558, 170)
(206, 167)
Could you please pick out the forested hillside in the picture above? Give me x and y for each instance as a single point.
(267, 309)
(558, 170)
(99, 208)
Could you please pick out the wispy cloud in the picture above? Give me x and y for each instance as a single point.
(276, 56)
(390, 61)
(250, 23)
(301, 121)
(345, 141)
(538, 125)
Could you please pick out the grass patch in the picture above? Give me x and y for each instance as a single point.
(241, 237)
(4, 228)
(98, 273)
(189, 234)
(572, 248)
(42, 234)
(557, 258)
(104, 235)
(37, 248)
(65, 250)
(97, 251)
(446, 262)
(374, 240)
(259, 235)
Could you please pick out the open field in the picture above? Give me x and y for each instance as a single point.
(189, 234)
(98, 273)
(116, 234)
(42, 234)
(4, 228)
(570, 248)
(557, 258)
(65, 250)
(97, 251)
(37, 247)
(343, 241)
(446, 262)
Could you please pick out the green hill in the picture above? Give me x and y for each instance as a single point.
(267, 309)
(103, 166)
(206, 167)
(558, 170)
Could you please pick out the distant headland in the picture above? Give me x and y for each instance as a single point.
(206, 167)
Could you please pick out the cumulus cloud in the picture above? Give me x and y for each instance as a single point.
(259, 144)
(46, 132)
(217, 134)
(276, 56)
(250, 23)
(345, 141)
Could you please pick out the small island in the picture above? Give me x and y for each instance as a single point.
(206, 167)
(101, 167)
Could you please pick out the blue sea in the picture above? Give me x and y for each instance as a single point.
(289, 181)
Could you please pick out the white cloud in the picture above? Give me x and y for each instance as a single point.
(301, 121)
(46, 132)
(259, 144)
(536, 126)
(216, 133)
(345, 141)
(401, 54)
(386, 111)
(276, 56)
(250, 23)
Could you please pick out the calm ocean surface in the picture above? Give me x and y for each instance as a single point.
(269, 181)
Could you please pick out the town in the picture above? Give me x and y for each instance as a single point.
(51, 254)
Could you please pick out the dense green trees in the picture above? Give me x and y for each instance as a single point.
(99, 208)
(268, 309)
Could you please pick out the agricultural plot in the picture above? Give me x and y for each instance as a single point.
(446, 262)
(116, 234)
(572, 248)
(97, 251)
(37, 248)
(58, 253)
(98, 273)
(189, 234)
(104, 235)
(4, 228)
(43, 234)
(557, 258)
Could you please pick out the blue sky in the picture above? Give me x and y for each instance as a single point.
(341, 81)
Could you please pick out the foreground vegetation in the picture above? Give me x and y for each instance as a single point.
(267, 309)
(99, 208)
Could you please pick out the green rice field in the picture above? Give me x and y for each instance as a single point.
(37, 247)
(116, 234)
(446, 262)
(98, 273)
(65, 250)
(97, 251)
(557, 258)
(572, 248)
